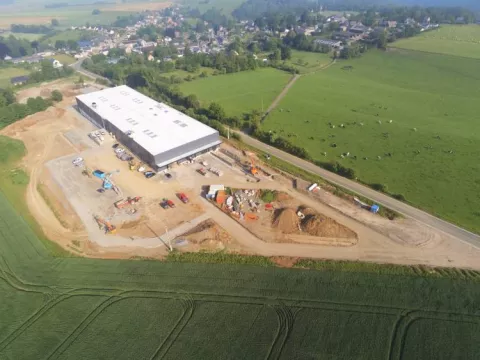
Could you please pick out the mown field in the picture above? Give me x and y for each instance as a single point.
(239, 92)
(409, 123)
(458, 40)
(71, 308)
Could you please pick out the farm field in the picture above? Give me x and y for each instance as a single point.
(28, 36)
(458, 40)
(150, 309)
(73, 15)
(70, 35)
(409, 124)
(7, 73)
(239, 92)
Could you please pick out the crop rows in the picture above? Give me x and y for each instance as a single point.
(243, 310)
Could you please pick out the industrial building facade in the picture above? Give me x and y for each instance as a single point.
(157, 133)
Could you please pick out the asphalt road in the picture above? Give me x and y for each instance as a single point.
(77, 66)
(382, 199)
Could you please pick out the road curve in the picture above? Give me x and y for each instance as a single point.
(77, 66)
(382, 199)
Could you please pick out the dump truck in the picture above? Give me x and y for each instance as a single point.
(120, 204)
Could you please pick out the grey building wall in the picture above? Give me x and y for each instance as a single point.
(186, 148)
(138, 150)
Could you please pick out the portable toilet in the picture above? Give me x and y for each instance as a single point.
(374, 208)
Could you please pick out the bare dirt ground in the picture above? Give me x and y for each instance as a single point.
(282, 224)
(208, 236)
(41, 134)
(56, 136)
(45, 89)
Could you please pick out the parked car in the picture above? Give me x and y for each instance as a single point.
(149, 174)
(119, 150)
(183, 198)
(141, 169)
(168, 175)
(78, 161)
(114, 146)
(164, 205)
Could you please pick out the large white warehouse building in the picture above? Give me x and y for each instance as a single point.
(157, 133)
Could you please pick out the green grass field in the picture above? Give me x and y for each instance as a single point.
(63, 58)
(7, 73)
(458, 40)
(239, 92)
(307, 62)
(30, 37)
(227, 6)
(432, 139)
(71, 308)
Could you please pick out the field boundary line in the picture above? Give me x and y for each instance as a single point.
(432, 53)
(288, 86)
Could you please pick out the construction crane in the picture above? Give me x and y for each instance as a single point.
(104, 224)
(253, 169)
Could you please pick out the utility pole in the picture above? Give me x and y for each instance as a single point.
(228, 132)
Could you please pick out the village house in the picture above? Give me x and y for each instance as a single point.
(388, 24)
(330, 43)
(19, 80)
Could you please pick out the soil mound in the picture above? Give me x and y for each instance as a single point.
(286, 220)
(305, 210)
(319, 225)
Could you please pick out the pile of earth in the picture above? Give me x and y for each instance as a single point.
(320, 225)
(286, 220)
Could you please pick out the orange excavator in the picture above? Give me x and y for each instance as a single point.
(253, 169)
(104, 224)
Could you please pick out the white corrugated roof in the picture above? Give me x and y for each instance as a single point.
(155, 126)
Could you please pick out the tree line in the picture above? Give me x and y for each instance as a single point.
(14, 47)
(11, 111)
(30, 29)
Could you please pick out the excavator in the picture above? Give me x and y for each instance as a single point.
(104, 224)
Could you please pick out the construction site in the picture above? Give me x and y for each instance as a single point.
(91, 194)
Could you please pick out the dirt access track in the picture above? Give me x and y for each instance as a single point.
(56, 136)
